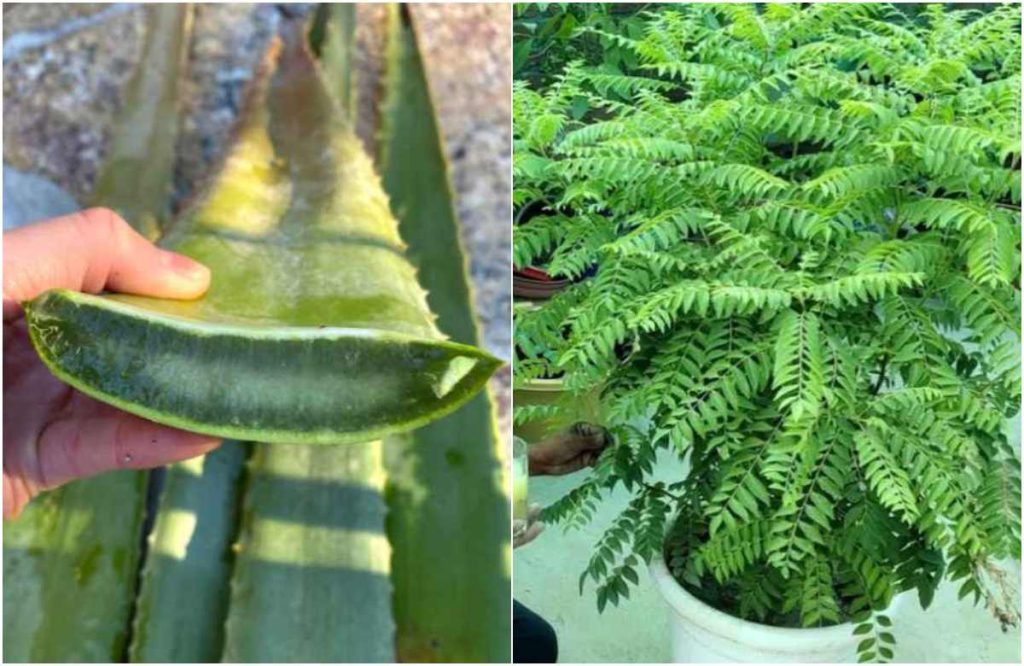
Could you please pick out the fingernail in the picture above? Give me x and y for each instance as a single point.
(184, 266)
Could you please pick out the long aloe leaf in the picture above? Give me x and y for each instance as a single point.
(137, 176)
(311, 573)
(448, 517)
(185, 585)
(333, 40)
(314, 329)
(183, 595)
(70, 563)
(311, 582)
(71, 559)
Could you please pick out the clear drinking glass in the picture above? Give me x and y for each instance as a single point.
(520, 474)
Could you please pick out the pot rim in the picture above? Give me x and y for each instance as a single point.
(754, 634)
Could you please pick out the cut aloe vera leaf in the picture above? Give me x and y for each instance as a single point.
(319, 386)
(71, 558)
(137, 176)
(448, 507)
(314, 330)
(311, 571)
(183, 595)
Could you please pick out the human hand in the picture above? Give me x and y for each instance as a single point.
(569, 452)
(52, 433)
(532, 530)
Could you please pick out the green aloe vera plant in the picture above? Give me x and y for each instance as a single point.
(311, 581)
(309, 279)
(332, 38)
(71, 559)
(288, 557)
(70, 569)
(311, 577)
(310, 538)
(449, 509)
(183, 593)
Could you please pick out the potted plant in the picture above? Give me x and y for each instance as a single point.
(547, 227)
(538, 274)
(828, 334)
(543, 403)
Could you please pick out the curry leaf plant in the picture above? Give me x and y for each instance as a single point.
(805, 226)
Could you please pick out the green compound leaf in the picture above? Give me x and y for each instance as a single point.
(314, 329)
(448, 509)
(71, 559)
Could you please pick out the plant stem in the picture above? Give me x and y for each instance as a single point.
(655, 489)
(881, 375)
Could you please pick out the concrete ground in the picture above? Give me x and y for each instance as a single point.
(546, 574)
(545, 577)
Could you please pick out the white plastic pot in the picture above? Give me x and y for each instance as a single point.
(702, 634)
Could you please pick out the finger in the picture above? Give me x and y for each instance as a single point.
(531, 533)
(91, 251)
(591, 435)
(77, 447)
(17, 494)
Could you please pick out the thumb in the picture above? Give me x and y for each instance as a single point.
(91, 251)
